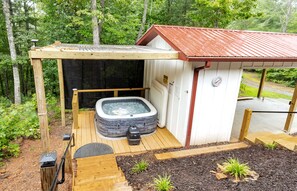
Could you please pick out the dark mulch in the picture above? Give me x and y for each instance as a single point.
(277, 170)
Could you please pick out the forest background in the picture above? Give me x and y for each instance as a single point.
(116, 22)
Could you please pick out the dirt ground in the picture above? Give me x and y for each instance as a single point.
(277, 170)
(23, 173)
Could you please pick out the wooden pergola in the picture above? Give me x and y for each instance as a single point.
(59, 51)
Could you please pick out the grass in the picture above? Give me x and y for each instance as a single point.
(254, 77)
(163, 183)
(252, 92)
(271, 146)
(249, 91)
(234, 168)
(140, 167)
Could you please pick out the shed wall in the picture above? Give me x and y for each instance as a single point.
(215, 106)
(179, 85)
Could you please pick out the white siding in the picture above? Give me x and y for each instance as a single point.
(180, 76)
(215, 106)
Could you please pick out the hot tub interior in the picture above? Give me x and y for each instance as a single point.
(124, 107)
(114, 116)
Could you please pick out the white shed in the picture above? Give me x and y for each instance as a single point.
(204, 82)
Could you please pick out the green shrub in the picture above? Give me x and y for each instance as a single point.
(20, 121)
(234, 168)
(140, 166)
(271, 146)
(163, 183)
(17, 121)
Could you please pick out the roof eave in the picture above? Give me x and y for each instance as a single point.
(242, 59)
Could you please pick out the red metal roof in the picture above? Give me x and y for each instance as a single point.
(221, 44)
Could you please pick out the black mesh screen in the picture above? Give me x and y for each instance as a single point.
(98, 74)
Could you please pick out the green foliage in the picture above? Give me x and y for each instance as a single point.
(235, 168)
(163, 183)
(271, 146)
(283, 76)
(249, 91)
(17, 121)
(219, 13)
(20, 121)
(140, 167)
(270, 15)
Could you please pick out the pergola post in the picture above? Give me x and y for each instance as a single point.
(245, 124)
(41, 103)
(62, 95)
(293, 106)
(261, 85)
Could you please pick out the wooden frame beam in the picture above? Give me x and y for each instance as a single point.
(62, 95)
(104, 55)
(293, 106)
(112, 90)
(41, 104)
(75, 108)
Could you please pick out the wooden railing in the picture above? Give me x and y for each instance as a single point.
(75, 100)
(247, 120)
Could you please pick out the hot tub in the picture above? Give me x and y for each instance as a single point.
(115, 115)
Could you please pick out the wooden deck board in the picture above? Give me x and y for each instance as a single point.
(199, 151)
(161, 139)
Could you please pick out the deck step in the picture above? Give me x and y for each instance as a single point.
(99, 173)
(199, 151)
(268, 139)
(288, 143)
(251, 137)
(87, 178)
(282, 139)
(100, 183)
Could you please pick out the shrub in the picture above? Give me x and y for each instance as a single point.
(234, 168)
(20, 121)
(163, 183)
(140, 166)
(271, 146)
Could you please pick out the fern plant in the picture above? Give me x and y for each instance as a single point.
(163, 183)
(271, 146)
(140, 167)
(234, 168)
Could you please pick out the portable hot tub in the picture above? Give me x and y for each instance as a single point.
(115, 115)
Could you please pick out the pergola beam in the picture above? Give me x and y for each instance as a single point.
(104, 55)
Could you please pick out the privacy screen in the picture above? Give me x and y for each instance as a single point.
(100, 74)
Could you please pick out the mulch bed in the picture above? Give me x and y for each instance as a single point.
(277, 169)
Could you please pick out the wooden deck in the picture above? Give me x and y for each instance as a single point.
(99, 173)
(86, 133)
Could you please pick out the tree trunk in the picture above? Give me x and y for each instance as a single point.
(288, 14)
(143, 19)
(7, 88)
(2, 87)
(16, 76)
(102, 4)
(96, 40)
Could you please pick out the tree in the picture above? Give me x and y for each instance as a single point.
(16, 77)
(287, 14)
(95, 25)
(219, 13)
(145, 5)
